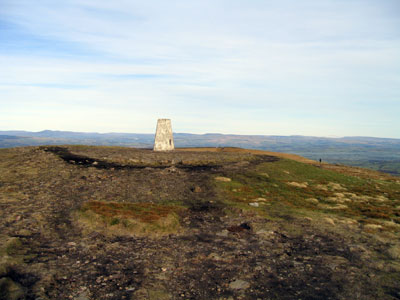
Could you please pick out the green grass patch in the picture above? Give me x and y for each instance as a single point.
(288, 187)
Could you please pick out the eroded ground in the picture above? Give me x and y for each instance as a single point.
(81, 222)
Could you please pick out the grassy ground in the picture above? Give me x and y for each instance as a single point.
(304, 186)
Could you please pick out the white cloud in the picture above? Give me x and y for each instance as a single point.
(227, 65)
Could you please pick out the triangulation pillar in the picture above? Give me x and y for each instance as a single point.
(164, 140)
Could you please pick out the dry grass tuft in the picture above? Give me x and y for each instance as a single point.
(130, 218)
(145, 212)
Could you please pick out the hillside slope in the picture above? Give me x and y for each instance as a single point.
(85, 222)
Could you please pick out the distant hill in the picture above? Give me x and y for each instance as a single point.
(381, 154)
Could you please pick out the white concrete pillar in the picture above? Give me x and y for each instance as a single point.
(164, 140)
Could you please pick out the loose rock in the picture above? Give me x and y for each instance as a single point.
(239, 285)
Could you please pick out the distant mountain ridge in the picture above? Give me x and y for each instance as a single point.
(83, 135)
(381, 154)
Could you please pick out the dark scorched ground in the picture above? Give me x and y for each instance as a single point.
(218, 255)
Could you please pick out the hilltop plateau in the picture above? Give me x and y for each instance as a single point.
(91, 222)
(380, 154)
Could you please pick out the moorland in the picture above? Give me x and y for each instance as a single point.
(91, 222)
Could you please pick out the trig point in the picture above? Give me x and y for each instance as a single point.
(164, 141)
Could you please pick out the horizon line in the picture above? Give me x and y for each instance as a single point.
(206, 133)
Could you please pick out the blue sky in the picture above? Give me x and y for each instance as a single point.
(311, 67)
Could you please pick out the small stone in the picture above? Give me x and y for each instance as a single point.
(239, 285)
(223, 179)
(254, 204)
(164, 269)
(95, 163)
(71, 244)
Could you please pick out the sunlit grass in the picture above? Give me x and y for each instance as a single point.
(288, 185)
(130, 218)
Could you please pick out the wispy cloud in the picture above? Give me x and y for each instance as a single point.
(262, 67)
